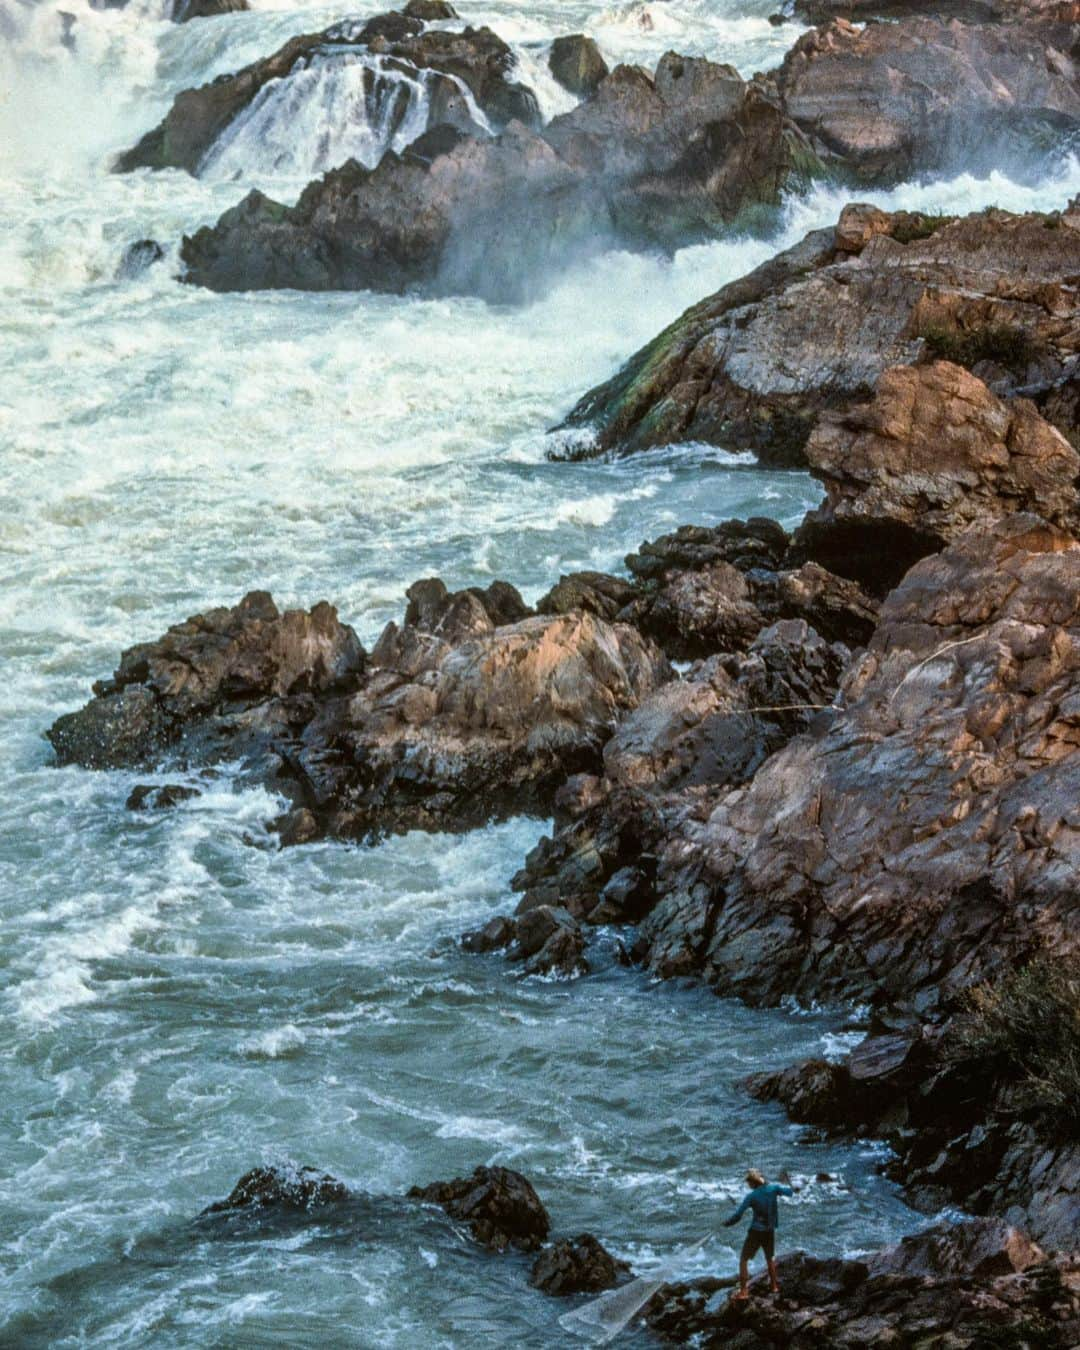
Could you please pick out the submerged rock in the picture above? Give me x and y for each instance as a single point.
(647, 161)
(138, 257)
(185, 10)
(498, 1206)
(577, 64)
(580, 1265)
(815, 328)
(298, 1188)
(154, 797)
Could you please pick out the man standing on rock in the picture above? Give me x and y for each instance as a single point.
(761, 1201)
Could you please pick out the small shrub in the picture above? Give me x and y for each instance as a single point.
(1001, 343)
(1027, 1028)
(914, 225)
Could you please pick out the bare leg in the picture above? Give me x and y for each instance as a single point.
(773, 1281)
(744, 1280)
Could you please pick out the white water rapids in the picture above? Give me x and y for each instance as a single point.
(178, 1000)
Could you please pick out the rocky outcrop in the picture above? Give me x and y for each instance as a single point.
(577, 64)
(467, 711)
(278, 1187)
(959, 1285)
(924, 839)
(924, 95)
(476, 58)
(186, 10)
(152, 797)
(205, 678)
(815, 328)
(580, 1265)
(498, 1206)
(647, 161)
(933, 454)
(970, 11)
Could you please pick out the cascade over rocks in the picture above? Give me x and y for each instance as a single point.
(648, 161)
(815, 328)
(924, 839)
(498, 1206)
(922, 95)
(933, 454)
(476, 57)
(966, 1286)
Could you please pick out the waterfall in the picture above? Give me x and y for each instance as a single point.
(338, 103)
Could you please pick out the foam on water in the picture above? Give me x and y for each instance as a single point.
(178, 999)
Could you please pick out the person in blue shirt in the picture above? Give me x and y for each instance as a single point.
(761, 1235)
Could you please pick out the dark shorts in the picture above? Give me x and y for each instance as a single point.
(758, 1239)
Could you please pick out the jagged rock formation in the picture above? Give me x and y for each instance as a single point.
(274, 1187)
(498, 1206)
(815, 328)
(580, 1265)
(577, 64)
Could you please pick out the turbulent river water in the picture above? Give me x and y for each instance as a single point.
(178, 1000)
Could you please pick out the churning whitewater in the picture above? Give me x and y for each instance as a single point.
(181, 1000)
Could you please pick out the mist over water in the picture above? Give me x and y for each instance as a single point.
(178, 1000)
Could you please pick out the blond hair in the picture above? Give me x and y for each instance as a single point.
(754, 1178)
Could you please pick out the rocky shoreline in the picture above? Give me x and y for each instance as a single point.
(863, 786)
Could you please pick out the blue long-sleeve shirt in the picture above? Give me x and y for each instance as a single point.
(762, 1202)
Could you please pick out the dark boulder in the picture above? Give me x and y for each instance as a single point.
(577, 64)
(498, 1206)
(580, 1265)
(151, 797)
(185, 10)
(298, 1188)
(430, 11)
(137, 257)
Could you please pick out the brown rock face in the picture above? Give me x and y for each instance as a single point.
(814, 329)
(924, 95)
(932, 455)
(926, 838)
(214, 667)
(647, 161)
(497, 1205)
(488, 726)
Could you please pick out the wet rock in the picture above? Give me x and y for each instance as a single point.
(496, 935)
(138, 257)
(299, 826)
(923, 838)
(114, 731)
(185, 10)
(297, 1188)
(477, 57)
(920, 1293)
(430, 11)
(646, 162)
(754, 543)
(212, 668)
(577, 64)
(923, 95)
(933, 454)
(549, 940)
(594, 592)
(815, 328)
(580, 1265)
(498, 1206)
(449, 736)
(154, 797)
